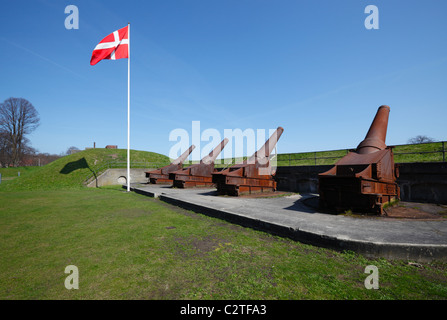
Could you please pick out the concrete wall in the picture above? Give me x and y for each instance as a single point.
(302, 179)
(118, 177)
(423, 182)
(419, 182)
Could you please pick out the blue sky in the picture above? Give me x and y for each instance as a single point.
(309, 66)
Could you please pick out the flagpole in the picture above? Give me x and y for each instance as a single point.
(128, 112)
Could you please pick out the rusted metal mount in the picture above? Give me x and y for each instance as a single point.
(161, 175)
(365, 179)
(196, 175)
(236, 185)
(254, 175)
(343, 192)
(200, 174)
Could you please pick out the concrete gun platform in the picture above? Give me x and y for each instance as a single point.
(290, 216)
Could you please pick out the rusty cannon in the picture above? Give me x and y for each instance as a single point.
(365, 179)
(254, 175)
(161, 175)
(199, 174)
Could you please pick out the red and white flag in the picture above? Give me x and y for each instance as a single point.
(114, 46)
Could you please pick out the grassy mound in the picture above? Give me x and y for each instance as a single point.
(72, 171)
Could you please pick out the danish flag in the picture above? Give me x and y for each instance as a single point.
(114, 46)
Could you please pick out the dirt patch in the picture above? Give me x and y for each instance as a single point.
(411, 210)
(193, 246)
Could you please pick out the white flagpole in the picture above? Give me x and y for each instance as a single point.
(128, 112)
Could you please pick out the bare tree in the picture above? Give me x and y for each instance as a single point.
(18, 117)
(4, 149)
(420, 139)
(72, 150)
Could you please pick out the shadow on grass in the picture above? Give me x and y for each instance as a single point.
(76, 165)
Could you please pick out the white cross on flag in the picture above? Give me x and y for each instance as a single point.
(114, 46)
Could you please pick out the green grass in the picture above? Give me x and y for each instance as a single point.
(425, 152)
(310, 158)
(128, 246)
(9, 174)
(72, 171)
(14, 172)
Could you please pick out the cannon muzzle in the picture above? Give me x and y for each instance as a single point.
(375, 138)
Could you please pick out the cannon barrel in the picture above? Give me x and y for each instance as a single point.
(375, 138)
(263, 154)
(215, 152)
(184, 155)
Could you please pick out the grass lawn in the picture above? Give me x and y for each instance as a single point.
(128, 246)
(14, 172)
